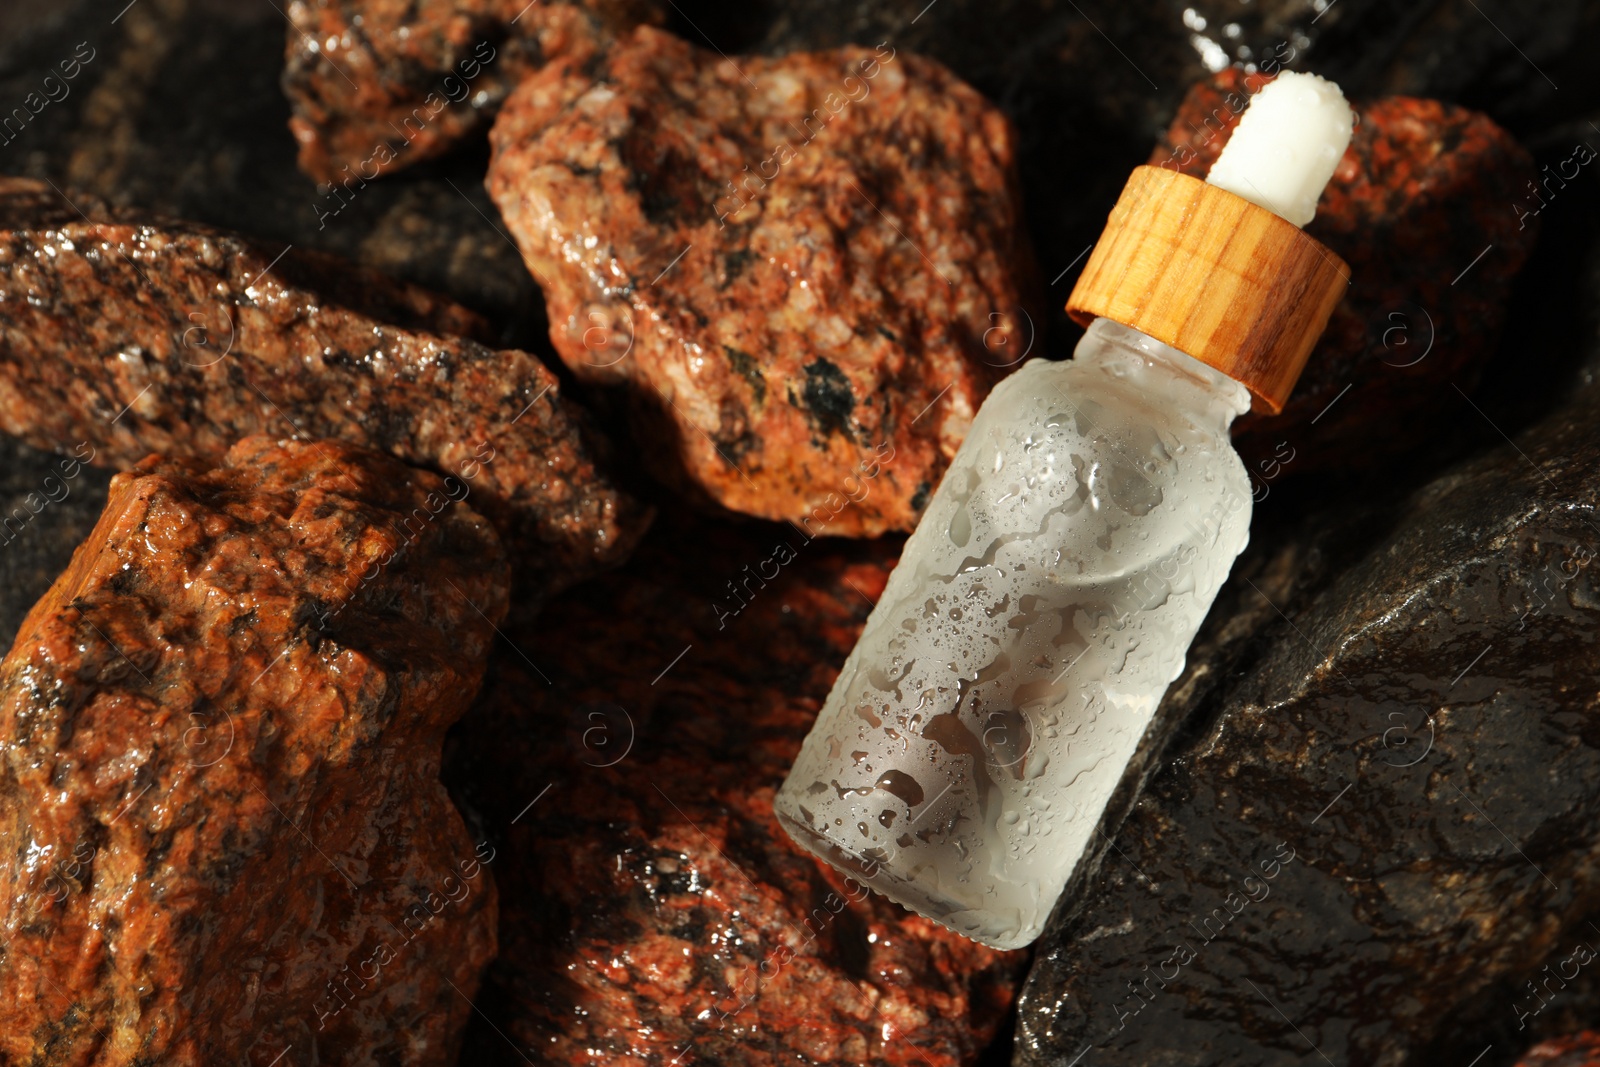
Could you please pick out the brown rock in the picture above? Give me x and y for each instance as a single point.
(800, 267)
(180, 339)
(1579, 1050)
(1423, 190)
(378, 85)
(653, 910)
(220, 792)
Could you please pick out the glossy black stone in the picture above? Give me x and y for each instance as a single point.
(1380, 825)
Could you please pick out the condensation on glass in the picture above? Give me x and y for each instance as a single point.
(1039, 612)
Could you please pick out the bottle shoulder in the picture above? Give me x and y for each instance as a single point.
(1096, 411)
(1110, 476)
(1131, 388)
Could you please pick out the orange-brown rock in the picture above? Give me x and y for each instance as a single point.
(377, 85)
(1577, 1050)
(624, 757)
(802, 269)
(226, 838)
(140, 336)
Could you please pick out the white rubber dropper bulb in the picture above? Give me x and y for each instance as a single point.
(1287, 145)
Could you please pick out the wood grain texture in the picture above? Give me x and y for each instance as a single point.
(1215, 276)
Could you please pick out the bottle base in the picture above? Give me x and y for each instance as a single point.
(959, 917)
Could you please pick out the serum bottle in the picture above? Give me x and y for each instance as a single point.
(1050, 593)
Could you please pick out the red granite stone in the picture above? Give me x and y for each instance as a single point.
(226, 837)
(653, 911)
(378, 85)
(798, 268)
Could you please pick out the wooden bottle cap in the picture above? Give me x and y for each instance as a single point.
(1215, 276)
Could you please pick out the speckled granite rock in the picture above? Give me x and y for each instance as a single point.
(138, 337)
(226, 836)
(1423, 209)
(653, 910)
(1379, 825)
(378, 85)
(808, 272)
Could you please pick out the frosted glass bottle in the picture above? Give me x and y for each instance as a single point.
(1040, 610)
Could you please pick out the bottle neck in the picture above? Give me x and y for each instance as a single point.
(1179, 378)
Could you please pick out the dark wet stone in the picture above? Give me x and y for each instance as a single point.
(1506, 59)
(1416, 732)
(179, 112)
(48, 504)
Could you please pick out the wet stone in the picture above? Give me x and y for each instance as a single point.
(123, 336)
(226, 835)
(623, 759)
(806, 272)
(1375, 828)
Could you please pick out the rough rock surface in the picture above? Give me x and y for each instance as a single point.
(226, 835)
(174, 338)
(653, 910)
(797, 266)
(1371, 837)
(377, 85)
(1422, 208)
(1579, 1050)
